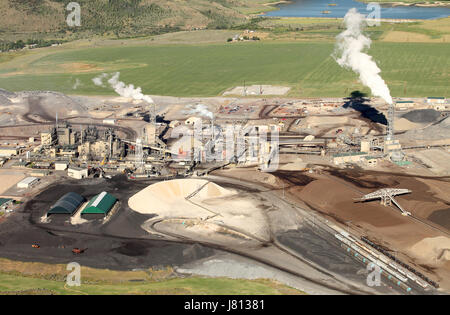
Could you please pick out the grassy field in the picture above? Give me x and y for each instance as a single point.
(12, 284)
(39, 278)
(419, 69)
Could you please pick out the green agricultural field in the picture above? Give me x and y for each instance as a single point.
(412, 69)
(14, 284)
(40, 278)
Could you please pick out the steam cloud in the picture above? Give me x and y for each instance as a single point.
(121, 88)
(349, 54)
(201, 110)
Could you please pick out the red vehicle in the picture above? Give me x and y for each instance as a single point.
(77, 251)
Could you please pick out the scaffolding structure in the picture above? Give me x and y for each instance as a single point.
(386, 196)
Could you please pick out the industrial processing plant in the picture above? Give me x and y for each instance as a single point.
(263, 187)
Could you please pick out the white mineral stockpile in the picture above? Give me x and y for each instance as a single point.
(169, 199)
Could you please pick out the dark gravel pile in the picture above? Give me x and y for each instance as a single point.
(422, 116)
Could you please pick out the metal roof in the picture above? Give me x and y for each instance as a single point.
(349, 154)
(67, 204)
(27, 181)
(102, 204)
(4, 200)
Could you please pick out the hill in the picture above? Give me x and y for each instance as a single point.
(45, 19)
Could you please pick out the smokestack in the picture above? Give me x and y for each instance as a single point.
(390, 123)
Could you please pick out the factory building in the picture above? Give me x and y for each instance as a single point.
(100, 204)
(48, 138)
(366, 145)
(371, 161)
(61, 166)
(67, 204)
(101, 149)
(66, 136)
(150, 133)
(8, 151)
(27, 182)
(40, 173)
(403, 105)
(5, 203)
(77, 172)
(436, 100)
(42, 165)
(109, 121)
(351, 157)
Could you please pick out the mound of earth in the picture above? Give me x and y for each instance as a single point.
(7, 93)
(437, 131)
(432, 248)
(422, 116)
(4, 100)
(405, 124)
(203, 206)
(170, 194)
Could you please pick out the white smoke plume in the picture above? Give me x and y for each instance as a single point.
(99, 80)
(121, 88)
(349, 54)
(201, 110)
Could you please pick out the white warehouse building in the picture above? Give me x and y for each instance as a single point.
(77, 173)
(27, 182)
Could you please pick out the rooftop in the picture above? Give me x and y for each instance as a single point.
(349, 154)
(4, 200)
(28, 180)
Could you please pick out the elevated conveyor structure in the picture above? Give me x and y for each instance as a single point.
(386, 195)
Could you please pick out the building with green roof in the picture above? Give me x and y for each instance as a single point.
(100, 204)
(5, 202)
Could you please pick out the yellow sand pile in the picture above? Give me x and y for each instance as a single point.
(405, 124)
(432, 249)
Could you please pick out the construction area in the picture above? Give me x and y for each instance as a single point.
(316, 190)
